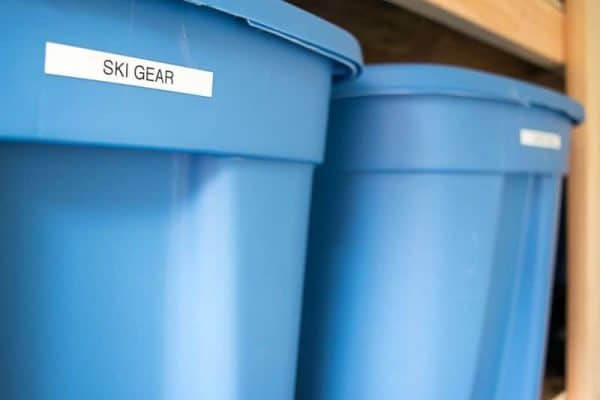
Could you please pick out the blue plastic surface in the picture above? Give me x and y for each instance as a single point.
(298, 26)
(261, 81)
(153, 243)
(432, 242)
(416, 79)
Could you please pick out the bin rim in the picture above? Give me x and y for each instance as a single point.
(300, 27)
(444, 80)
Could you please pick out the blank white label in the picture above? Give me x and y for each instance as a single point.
(80, 63)
(541, 139)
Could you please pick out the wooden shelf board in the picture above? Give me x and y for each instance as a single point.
(531, 29)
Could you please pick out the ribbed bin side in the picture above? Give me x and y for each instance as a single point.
(427, 285)
(140, 274)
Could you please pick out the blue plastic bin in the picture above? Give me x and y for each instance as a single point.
(432, 239)
(156, 160)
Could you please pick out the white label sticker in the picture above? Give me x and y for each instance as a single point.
(541, 139)
(76, 62)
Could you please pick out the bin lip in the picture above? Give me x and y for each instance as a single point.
(289, 22)
(443, 80)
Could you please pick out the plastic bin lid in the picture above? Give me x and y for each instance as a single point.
(291, 23)
(427, 79)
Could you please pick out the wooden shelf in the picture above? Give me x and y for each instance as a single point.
(390, 33)
(531, 29)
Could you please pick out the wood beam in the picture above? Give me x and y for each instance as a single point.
(531, 29)
(583, 81)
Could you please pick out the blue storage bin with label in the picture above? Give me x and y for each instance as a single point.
(156, 160)
(432, 239)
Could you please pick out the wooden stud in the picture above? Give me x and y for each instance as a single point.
(583, 81)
